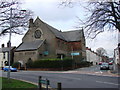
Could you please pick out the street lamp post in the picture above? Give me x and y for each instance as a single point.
(9, 42)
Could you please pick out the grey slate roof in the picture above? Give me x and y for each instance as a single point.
(5, 49)
(30, 45)
(73, 35)
(68, 35)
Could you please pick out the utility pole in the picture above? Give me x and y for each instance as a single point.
(72, 52)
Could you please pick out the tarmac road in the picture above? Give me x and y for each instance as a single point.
(68, 80)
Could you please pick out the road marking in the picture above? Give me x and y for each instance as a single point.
(69, 77)
(99, 72)
(107, 83)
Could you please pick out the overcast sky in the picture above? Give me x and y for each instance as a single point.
(64, 18)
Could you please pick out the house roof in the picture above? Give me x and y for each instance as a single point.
(30, 45)
(67, 36)
(5, 49)
(73, 35)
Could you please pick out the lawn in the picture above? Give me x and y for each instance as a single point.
(15, 84)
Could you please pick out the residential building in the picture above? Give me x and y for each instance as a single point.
(92, 56)
(116, 56)
(44, 41)
(4, 51)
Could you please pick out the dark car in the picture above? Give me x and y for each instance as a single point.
(6, 68)
(104, 66)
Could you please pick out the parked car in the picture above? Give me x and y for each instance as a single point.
(111, 63)
(100, 63)
(104, 66)
(6, 68)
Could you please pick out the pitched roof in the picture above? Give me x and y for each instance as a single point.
(72, 35)
(67, 36)
(30, 45)
(5, 49)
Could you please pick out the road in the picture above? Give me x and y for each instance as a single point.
(70, 79)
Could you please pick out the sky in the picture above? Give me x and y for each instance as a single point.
(64, 19)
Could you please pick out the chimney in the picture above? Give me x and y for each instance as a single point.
(86, 48)
(31, 22)
(8, 44)
(2, 45)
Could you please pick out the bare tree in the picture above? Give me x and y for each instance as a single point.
(10, 11)
(103, 15)
(101, 51)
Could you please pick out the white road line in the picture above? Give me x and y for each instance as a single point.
(69, 77)
(99, 72)
(107, 83)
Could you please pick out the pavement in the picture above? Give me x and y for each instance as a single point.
(116, 71)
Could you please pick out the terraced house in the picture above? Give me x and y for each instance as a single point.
(44, 41)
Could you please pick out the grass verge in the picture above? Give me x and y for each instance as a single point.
(15, 84)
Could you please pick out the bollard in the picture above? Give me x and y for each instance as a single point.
(39, 83)
(47, 84)
(59, 86)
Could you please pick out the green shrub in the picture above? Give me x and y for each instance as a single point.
(56, 63)
(84, 63)
(29, 63)
(52, 63)
(52, 59)
(15, 64)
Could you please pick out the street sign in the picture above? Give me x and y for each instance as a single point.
(75, 54)
(45, 52)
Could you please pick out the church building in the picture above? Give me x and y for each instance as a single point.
(44, 41)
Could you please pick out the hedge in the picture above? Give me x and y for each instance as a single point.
(52, 63)
(15, 64)
(56, 63)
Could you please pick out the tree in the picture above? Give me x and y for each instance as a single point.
(101, 51)
(10, 12)
(103, 15)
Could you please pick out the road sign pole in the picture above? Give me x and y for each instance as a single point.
(39, 83)
(47, 84)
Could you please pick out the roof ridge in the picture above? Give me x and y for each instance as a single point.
(72, 31)
(71, 35)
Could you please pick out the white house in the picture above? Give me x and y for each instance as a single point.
(92, 56)
(116, 55)
(3, 57)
